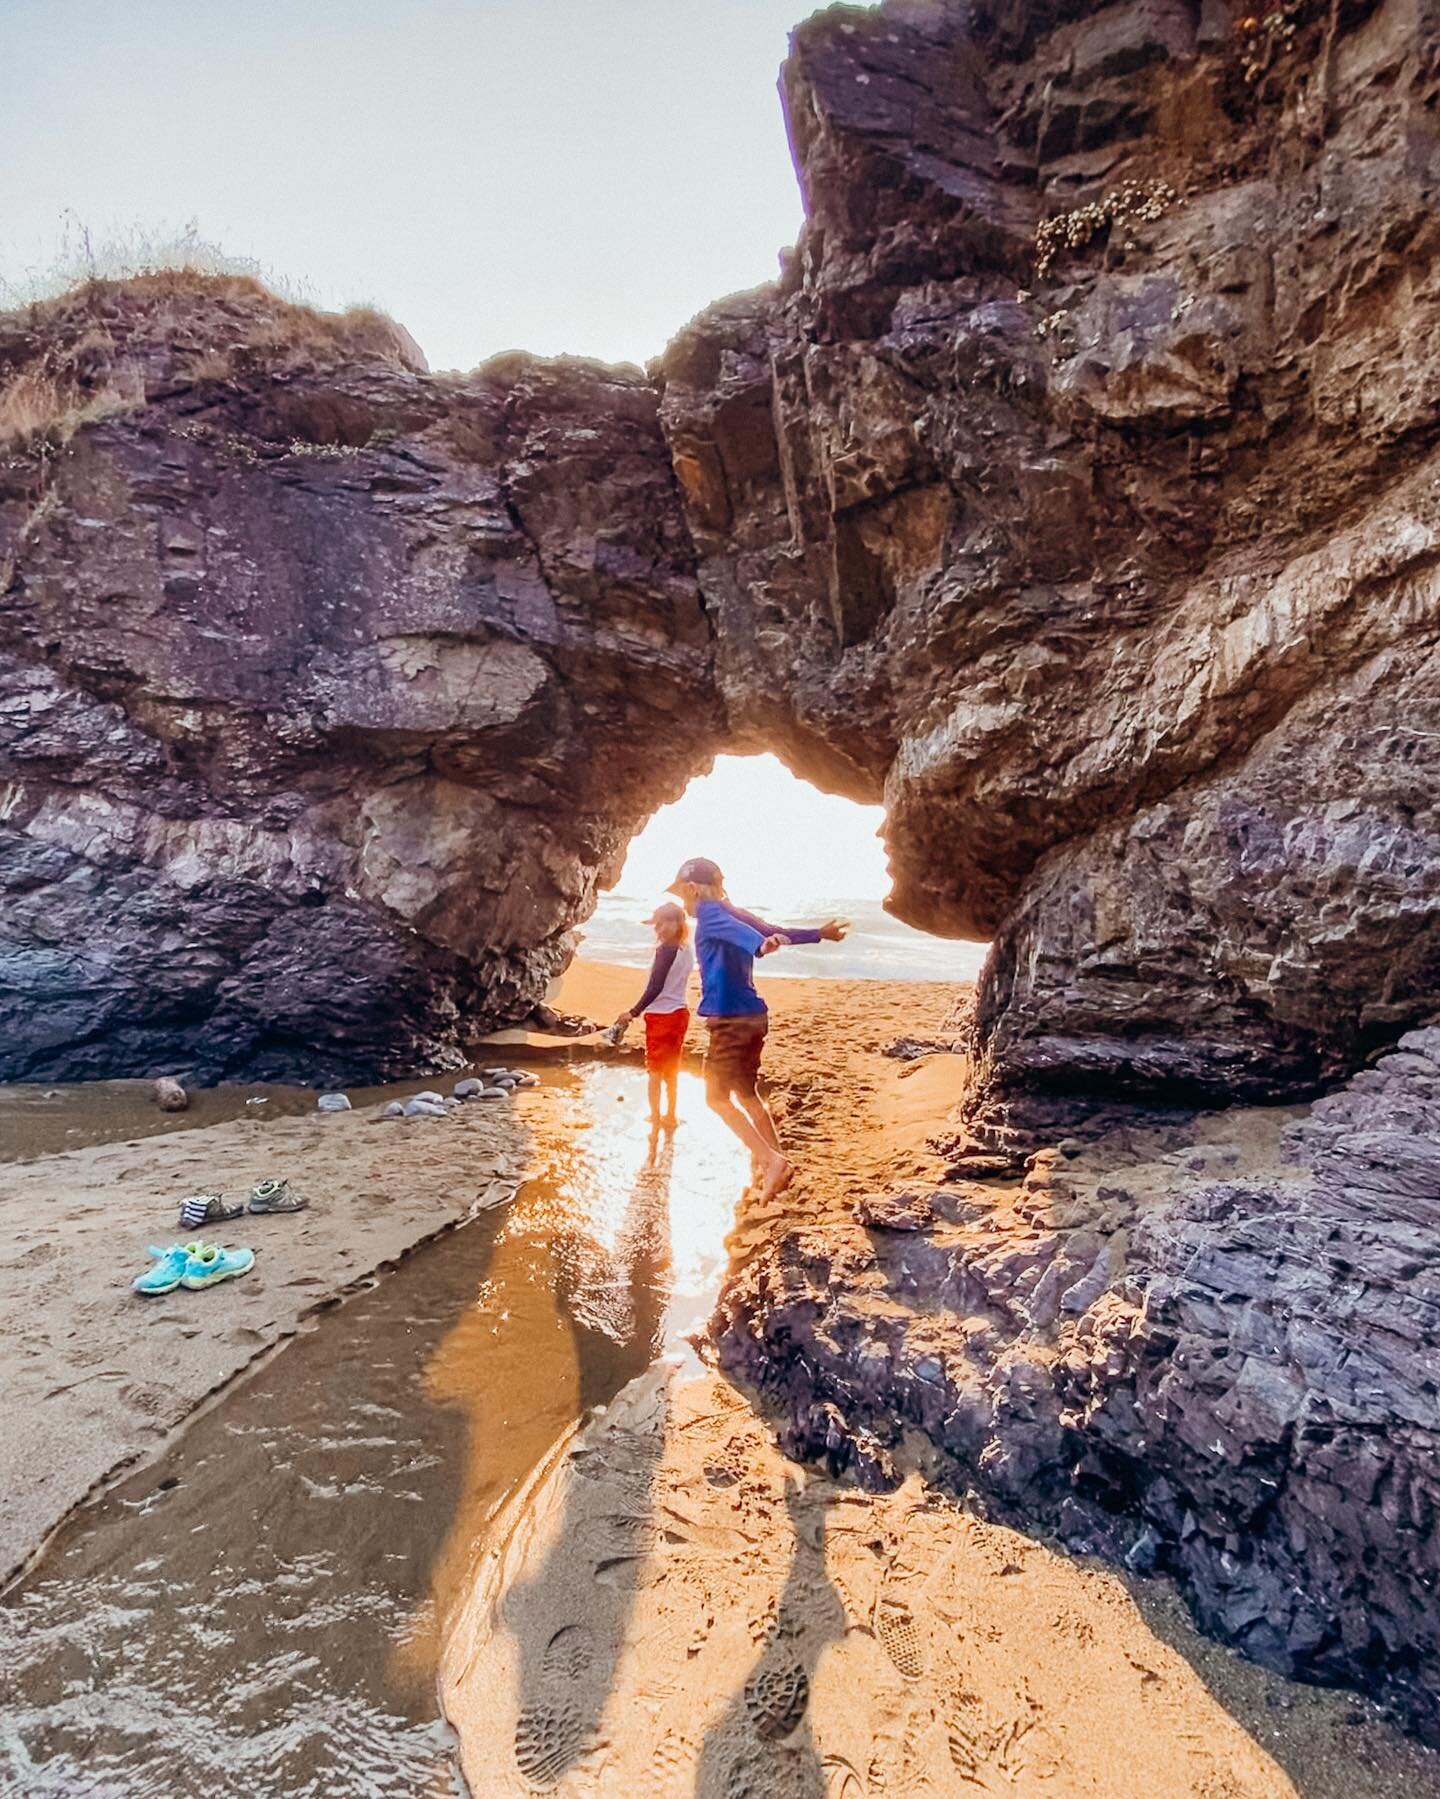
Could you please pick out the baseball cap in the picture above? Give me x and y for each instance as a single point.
(668, 910)
(700, 871)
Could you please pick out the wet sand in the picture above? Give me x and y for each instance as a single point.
(96, 1377)
(647, 1603)
(295, 1552)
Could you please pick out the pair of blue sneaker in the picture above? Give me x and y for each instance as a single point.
(192, 1265)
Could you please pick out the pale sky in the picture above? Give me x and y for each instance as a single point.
(775, 837)
(550, 175)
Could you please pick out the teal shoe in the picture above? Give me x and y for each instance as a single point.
(208, 1264)
(170, 1265)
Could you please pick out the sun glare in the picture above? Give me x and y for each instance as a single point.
(789, 852)
(780, 842)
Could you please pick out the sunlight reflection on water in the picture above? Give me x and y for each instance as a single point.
(261, 1609)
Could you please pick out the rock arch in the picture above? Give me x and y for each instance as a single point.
(332, 688)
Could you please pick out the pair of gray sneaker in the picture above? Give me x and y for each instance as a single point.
(265, 1196)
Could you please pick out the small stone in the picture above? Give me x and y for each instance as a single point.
(1144, 1552)
(333, 1102)
(170, 1096)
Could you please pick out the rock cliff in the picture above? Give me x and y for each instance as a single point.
(327, 687)
(1074, 490)
(1078, 488)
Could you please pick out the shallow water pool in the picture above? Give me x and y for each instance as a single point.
(259, 1611)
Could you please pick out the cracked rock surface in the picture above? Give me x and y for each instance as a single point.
(333, 689)
(326, 690)
(1205, 1350)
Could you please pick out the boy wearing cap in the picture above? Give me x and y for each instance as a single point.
(665, 1007)
(727, 942)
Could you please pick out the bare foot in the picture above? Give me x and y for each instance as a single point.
(778, 1177)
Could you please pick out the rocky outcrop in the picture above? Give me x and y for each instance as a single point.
(1112, 560)
(1073, 490)
(329, 690)
(1207, 1351)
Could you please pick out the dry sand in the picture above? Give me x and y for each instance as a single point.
(671, 1608)
(95, 1376)
(676, 1610)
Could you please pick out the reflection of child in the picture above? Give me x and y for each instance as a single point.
(664, 1007)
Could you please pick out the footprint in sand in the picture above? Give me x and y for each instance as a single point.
(672, 1768)
(776, 1696)
(899, 1637)
(757, 1773)
(550, 1734)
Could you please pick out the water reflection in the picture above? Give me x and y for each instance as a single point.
(261, 1610)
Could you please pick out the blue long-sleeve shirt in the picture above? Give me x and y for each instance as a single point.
(726, 941)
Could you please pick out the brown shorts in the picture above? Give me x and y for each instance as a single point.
(732, 1056)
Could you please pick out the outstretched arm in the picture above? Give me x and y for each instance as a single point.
(832, 931)
(791, 934)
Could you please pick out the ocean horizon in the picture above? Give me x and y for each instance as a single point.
(879, 947)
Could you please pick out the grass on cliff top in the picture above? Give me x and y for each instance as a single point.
(83, 338)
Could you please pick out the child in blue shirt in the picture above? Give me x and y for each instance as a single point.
(727, 941)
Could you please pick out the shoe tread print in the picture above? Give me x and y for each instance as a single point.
(550, 1733)
(776, 1696)
(899, 1637)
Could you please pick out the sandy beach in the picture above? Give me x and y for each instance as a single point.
(665, 1604)
(96, 1377)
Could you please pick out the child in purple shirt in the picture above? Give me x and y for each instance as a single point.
(727, 941)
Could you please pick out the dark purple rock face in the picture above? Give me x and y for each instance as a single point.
(1214, 1358)
(330, 692)
(1072, 491)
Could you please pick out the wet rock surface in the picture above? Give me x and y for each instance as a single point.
(1207, 1351)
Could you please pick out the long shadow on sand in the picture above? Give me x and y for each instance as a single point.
(569, 1620)
(762, 1747)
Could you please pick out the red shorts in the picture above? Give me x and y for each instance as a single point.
(664, 1040)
